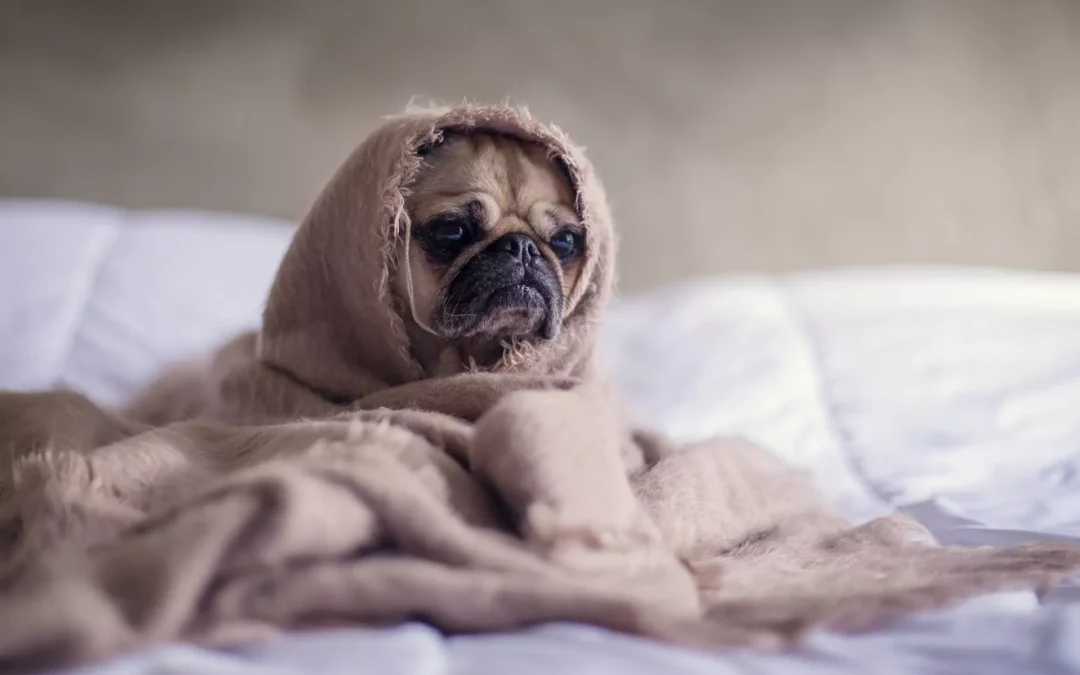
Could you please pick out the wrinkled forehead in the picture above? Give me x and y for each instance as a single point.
(508, 169)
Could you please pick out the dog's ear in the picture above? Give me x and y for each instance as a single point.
(426, 148)
(430, 145)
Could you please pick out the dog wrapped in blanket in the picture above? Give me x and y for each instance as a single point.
(421, 430)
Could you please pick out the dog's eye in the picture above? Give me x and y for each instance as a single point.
(446, 236)
(566, 244)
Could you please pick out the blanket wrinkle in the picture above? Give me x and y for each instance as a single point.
(312, 474)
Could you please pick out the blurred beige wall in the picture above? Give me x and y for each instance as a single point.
(755, 135)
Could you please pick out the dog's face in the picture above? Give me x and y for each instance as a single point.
(496, 243)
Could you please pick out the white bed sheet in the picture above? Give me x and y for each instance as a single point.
(951, 394)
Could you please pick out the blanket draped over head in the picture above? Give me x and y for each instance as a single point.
(312, 474)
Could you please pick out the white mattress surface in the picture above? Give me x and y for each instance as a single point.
(951, 394)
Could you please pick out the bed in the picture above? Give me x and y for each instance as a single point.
(950, 394)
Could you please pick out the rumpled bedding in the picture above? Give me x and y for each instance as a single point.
(537, 504)
(941, 441)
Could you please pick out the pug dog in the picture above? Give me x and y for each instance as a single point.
(495, 248)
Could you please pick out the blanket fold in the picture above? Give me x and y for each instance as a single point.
(312, 474)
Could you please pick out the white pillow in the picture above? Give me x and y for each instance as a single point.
(100, 299)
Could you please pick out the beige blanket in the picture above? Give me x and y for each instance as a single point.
(313, 475)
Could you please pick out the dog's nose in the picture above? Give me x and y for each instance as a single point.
(521, 246)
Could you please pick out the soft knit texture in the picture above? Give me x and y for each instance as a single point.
(313, 474)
